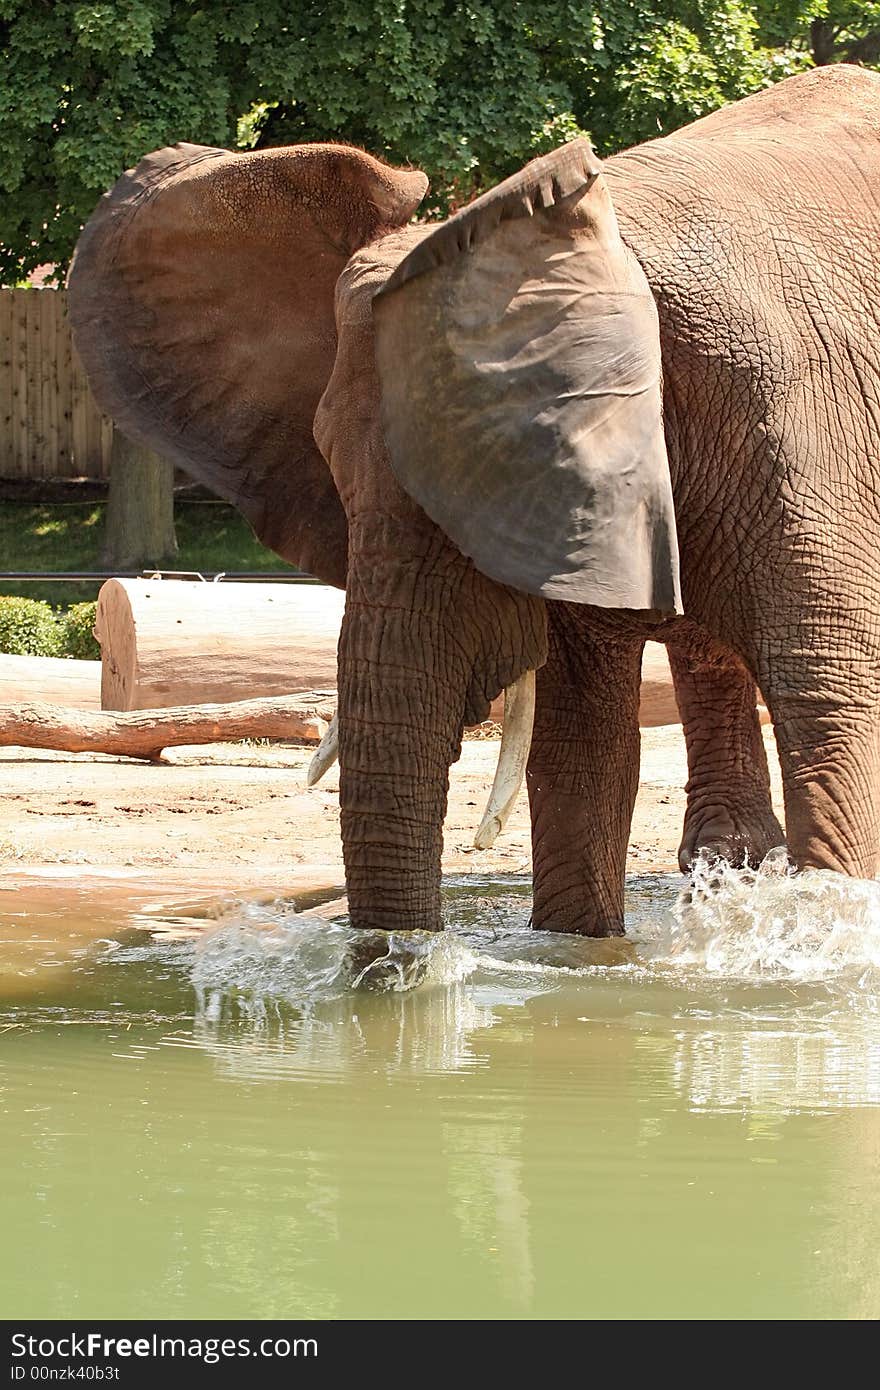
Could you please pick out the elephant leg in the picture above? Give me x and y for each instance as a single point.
(825, 704)
(729, 810)
(583, 775)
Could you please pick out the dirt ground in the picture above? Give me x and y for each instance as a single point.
(240, 816)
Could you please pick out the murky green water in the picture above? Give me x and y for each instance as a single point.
(224, 1129)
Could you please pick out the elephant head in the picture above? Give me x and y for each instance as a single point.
(457, 423)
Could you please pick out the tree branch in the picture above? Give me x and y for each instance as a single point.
(144, 733)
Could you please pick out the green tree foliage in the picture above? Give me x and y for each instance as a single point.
(823, 31)
(86, 89)
(657, 64)
(467, 89)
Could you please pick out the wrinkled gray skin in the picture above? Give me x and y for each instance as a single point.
(764, 260)
(771, 356)
(448, 626)
(766, 273)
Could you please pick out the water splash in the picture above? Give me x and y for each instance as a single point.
(284, 954)
(748, 989)
(753, 924)
(770, 922)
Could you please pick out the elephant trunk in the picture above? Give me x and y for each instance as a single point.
(401, 702)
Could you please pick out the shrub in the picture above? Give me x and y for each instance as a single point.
(28, 627)
(77, 637)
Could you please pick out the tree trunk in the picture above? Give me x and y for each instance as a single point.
(139, 526)
(822, 36)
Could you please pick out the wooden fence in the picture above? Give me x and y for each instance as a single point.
(50, 426)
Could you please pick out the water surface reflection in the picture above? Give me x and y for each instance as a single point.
(688, 1127)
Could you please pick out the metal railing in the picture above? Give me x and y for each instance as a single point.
(206, 576)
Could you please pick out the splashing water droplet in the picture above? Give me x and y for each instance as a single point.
(763, 923)
(772, 922)
(302, 959)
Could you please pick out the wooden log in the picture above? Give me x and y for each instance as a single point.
(657, 704)
(166, 643)
(656, 695)
(51, 679)
(77, 684)
(143, 734)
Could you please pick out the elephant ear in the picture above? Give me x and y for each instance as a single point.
(519, 359)
(201, 301)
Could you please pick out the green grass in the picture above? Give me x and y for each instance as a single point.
(67, 536)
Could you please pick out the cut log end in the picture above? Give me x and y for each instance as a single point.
(166, 643)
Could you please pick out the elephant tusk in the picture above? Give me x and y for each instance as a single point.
(516, 740)
(326, 754)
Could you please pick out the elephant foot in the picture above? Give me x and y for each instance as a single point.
(579, 920)
(720, 833)
(386, 962)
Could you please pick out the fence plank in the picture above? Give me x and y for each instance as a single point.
(5, 384)
(64, 373)
(49, 383)
(20, 410)
(50, 425)
(36, 460)
(79, 429)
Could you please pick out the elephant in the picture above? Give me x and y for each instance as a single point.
(602, 403)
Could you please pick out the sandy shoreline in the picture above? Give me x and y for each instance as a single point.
(232, 818)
